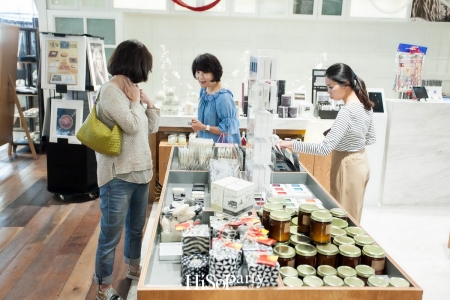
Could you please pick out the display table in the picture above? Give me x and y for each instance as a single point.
(162, 280)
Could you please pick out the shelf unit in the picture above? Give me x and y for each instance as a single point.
(28, 74)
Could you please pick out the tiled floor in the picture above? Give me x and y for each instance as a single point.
(415, 237)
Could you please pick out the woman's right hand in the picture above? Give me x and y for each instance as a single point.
(131, 90)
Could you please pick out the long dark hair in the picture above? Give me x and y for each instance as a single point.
(344, 75)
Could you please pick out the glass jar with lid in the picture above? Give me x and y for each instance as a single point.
(320, 231)
(294, 221)
(305, 255)
(172, 139)
(325, 270)
(363, 240)
(375, 257)
(293, 230)
(286, 255)
(278, 200)
(377, 281)
(292, 282)
(343, 240)
(349, 256)
(305, 270)
(297, 239)
(181, 139)
(335, 231)
(280, 222)
(281, 243)
(327, 255)
(304, 217)
(344, 272)
(339, 213)
(333, 281)
(364, 272)
(312, 281)
(267, 209)
(354, 230)
(339, 223)
(399, 282)
(353, 282)
(288, 272)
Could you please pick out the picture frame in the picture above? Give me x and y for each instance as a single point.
(92, 97)
(98, 70)
(299, 95)
(63, 61)
(65, 120)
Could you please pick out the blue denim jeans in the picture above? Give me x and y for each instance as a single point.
(122, 203)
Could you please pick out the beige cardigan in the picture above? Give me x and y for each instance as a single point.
(136, 123)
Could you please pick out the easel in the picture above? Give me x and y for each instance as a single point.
(12, 90)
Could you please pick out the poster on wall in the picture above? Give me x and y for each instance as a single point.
(65, 120)
(409, 65)
(430, 10)
(97, 62)
(63, 61)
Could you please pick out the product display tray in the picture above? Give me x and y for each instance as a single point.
(162, 280)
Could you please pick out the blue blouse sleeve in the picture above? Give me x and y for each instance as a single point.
(226, 111)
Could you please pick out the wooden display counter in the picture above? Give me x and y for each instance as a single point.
(162, 280)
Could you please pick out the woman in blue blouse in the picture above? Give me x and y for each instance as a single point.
(216, 111)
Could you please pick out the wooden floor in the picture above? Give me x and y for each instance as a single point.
(47, 246)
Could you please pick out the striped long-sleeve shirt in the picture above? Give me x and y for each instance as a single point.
(352, 130)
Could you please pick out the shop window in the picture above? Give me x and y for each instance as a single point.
(94, 3)
(303, 7)
(69, 25)
(332, 7)
(103, 27)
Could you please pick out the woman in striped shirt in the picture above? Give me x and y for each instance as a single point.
(352, 130)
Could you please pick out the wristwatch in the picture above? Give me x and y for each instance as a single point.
(207, 128)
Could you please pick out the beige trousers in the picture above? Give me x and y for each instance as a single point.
(349, 175)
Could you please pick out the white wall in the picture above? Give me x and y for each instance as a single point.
(368, 47)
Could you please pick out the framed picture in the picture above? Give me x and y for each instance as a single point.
(97, 62)
(63, 61)
(299, 95)
(65, 120)
(92, 97)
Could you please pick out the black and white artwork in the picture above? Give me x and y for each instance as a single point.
(430, 10)
(97, 62)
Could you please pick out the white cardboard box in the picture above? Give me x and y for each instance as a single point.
(217, 192)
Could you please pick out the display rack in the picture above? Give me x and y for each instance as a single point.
(162, 280)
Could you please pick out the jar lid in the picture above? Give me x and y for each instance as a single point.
(377, 281)
(398, 282)
(292, 211)
(306, 250)
(333, 281)
(327, 249)
(325, 270)
(363, 240)
(345, 271)
(336, 231)
(353, 282)
(272, 206)
(343, 240)
(276, 200)
(339, 223)
(306, 270)
(294, 221)
(293, 229)
(349, 251)
(288, 272)
(279, 215)
(354, 230)
(307, 208)
(364, 271)
(373, 251)
(312, 281)
(338, 212)
(299, 239)
(292, 281)
(284, 251)
(321, 216)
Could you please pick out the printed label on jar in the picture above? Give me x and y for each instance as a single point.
(291, 263)
(378, 265)
(287, 227)
(328, 229)
(306, 220)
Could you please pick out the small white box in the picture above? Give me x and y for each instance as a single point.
(170, 251)
(305, 109)
(217, 190)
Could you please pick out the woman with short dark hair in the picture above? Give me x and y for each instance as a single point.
(352, 130)
(217, 113)
(124, 179)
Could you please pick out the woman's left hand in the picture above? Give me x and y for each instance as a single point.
(131, 90)
(146, 99)
(197, 125)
